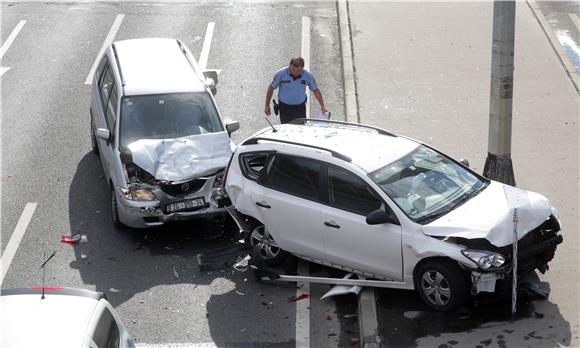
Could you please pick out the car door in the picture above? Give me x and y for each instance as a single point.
(348, 240)
(105, 113)
(289, 202)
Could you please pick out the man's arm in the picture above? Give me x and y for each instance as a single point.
(269, 94)
(318, 96)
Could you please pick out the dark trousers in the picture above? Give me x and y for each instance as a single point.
(291, 112)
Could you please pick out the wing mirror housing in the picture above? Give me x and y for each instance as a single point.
(232, 126)
(211, 80)
(103, 133)
(464, 162)
(380, 216)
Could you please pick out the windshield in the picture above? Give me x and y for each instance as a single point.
(427, 185)
(167, 116)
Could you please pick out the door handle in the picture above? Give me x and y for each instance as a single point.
(331, 224)
(263, 205)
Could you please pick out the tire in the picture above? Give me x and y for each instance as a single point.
(94, 144)
(441, 285)
(115, 210)
(267, 249)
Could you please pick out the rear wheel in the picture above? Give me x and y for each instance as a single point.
(266, 246)
(441, 285)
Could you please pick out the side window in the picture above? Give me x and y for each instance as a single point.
(106, 333)
(349, 192)
(112, 108)
(296, 176)
(105, 86)
(101, 69)
(253, 164)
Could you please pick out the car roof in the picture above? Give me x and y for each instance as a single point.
(366, 147)
(58, 320)
(155, 66)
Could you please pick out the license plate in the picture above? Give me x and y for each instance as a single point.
(185, 205)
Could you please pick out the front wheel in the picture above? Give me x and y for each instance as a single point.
(441, 285)
(266, 246)
(115, 210)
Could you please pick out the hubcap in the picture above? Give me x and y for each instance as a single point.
(267, 247)
(436, 288)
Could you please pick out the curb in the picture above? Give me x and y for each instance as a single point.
(351, 105)
(368, 320)
(568, 67)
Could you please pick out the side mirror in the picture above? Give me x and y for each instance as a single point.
(464, 162)
(103, 133)
(380, 216)
(211, 80)
(232, 126)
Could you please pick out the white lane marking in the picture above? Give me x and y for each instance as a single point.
(8, 42)
(15, 239)
(106, 43)
(303, 308)
(305, 49)
(206, 45)
(575, 19)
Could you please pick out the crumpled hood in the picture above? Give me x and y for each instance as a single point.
(489, 215)
(182, 158)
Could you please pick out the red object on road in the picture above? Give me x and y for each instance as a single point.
(298, 298)
(72, 239)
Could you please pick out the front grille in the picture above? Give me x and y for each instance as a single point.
(184, 188)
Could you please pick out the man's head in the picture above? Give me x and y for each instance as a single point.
(296, 66)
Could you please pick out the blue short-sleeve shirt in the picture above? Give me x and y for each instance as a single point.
(292, 90)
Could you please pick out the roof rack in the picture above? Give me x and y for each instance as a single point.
(338, 155)
(304, 120)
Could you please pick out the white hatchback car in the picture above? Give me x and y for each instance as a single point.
(159, 133)
(364, 200)
(59, 318)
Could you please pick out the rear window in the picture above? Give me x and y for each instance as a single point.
(168, 116)
(106, 334)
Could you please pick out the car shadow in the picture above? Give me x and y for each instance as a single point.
(406, 322)
(123, 262)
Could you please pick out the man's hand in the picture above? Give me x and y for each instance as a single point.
(267, 110)
(323, 109)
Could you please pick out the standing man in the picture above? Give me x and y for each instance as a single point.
(292, 82)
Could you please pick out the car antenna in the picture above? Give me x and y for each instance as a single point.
(271, 125)
(43, 271)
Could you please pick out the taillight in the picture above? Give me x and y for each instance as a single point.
(226, 172)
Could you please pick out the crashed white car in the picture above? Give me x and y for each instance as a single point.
(159, 133)
(386, 207)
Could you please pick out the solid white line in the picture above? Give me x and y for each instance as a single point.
(206, 45)
(15, 239)
(303, 308)
(13, 34)
(3, 69)
(108, 41)
(305, 49)
(575, 19)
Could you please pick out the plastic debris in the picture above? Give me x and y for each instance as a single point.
(83, 256)
(73, 239)
(347, 316)
(175, 274)
(239, 293)
(114, 290)
(242, 265)
(298, 298)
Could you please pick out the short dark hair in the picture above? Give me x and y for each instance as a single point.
(298, 60)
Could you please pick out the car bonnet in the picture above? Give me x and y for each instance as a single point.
(490, 215)
(182, 158)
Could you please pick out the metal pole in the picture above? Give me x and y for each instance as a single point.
(498, 164)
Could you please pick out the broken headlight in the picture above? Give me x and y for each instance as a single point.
(138, 194)
(485, 260)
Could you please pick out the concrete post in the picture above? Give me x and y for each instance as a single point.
(498, 164)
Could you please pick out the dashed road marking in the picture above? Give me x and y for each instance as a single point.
(108, 40)
(8, 42)
(206, 45)
(15, 239)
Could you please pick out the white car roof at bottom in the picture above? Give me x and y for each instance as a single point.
(156, 65)
(366, 147)
(57, 321)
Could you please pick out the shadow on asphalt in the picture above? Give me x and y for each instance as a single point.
(124, 262)
(405, 320)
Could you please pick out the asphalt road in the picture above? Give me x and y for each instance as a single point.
(152, 277)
